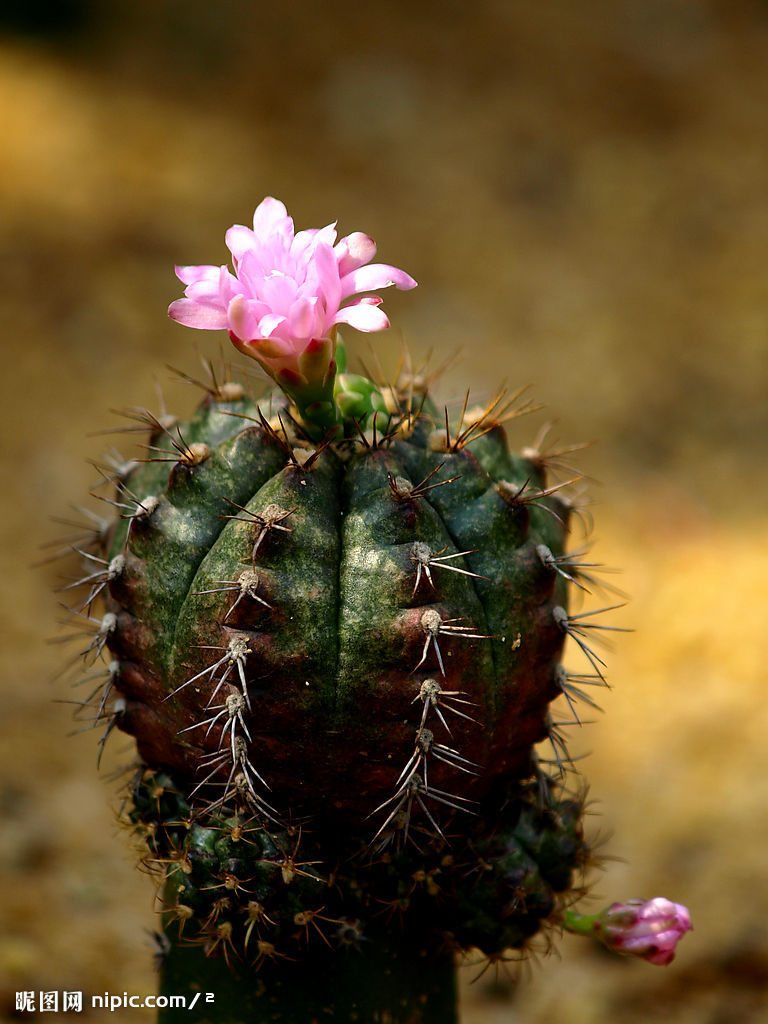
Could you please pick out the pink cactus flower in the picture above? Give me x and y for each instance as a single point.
(648, 929)
(287, 294)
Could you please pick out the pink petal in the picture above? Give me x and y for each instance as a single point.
(239, 240)
(191, 275)
(353, 251)
(229, 286)
(242, 318)
(375, 276)
(302, 319)
(197, 314)
(271, 218)
(252, 269)
(278, 291)
(270, 323)
(298, 262)
(267, 213)
(364, 316)
(326, 235)
(217, 289)
(328, 283)
(306, 240)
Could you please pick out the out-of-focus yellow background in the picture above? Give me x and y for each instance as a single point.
(581, 190)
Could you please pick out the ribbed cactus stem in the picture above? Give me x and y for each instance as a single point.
(336, 656)
(388, 977)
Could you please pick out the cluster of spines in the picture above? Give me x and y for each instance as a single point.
(167, 487)
(250, 893)
(412, 785)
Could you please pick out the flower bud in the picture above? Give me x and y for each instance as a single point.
(648, 929)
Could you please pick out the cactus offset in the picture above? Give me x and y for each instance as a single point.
(336, 617)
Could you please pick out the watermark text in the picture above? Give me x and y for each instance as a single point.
(75, 1002)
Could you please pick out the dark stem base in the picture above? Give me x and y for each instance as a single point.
(386, 980)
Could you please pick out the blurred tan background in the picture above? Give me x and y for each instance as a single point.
(581, 189)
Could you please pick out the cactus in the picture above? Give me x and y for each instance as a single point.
(335, 616)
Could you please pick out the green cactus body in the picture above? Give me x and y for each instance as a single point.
(336, 661)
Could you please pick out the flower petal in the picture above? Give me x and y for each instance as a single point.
(327, 281)
(306, 241)
(243, 318)
(373, 277)
(198, 314)
(353, 251)
(191, 275)
(215, 289)
(267, 214)
(239, 240)
(270, 323)
(272, 225)
(279, 292)
(302, 320)
(364, 316)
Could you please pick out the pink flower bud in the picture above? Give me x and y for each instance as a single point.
(648, 929)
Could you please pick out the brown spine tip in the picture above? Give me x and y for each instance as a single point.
(511, 493)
